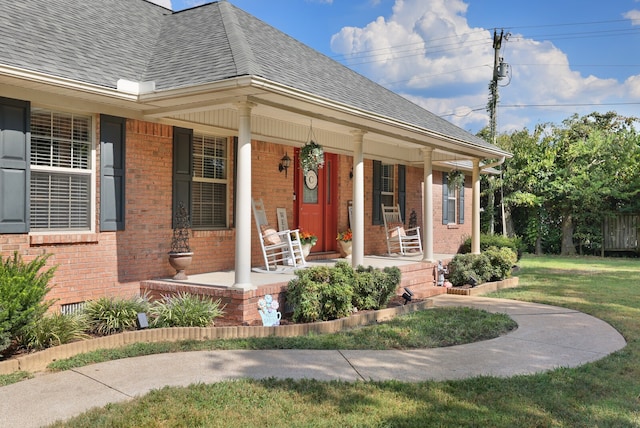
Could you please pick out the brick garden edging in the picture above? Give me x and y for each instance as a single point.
(39, 361)
(486, 287)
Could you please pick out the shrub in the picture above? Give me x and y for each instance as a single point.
(109, 315)
(185, 310)
(493, 264)
(22, 291)
(502, 261)
(55, 329)
(373, 288)
(464, 266)
(499, 241)
(325, 293)
(321, 293)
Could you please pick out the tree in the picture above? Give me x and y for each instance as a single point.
(595, 169)
(564, 180)
(524, 183)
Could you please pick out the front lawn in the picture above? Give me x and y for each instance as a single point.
(605, 393)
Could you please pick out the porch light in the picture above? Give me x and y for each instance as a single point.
(472, 281)
(284, 163)
(142, 321)
(407, 295)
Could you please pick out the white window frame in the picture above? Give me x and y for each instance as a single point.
(90, 172)
(387, 183)
(225, 181)
(452, 201)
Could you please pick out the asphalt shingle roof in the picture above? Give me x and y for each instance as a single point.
(99, 42)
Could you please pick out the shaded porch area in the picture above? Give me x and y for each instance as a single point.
(241, 305)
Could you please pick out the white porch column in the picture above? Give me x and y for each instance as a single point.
(357, 249)
(475, 219)
(427, 206)
(243, 202)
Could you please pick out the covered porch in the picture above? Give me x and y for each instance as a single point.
(241, 304)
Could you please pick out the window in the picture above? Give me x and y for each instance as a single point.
(451, 205)
(61, 171)
(386, 184)
(452, 202)
(209, 183)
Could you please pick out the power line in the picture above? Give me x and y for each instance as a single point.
(569, 105)
(471, 110)
(567, 24)
(425, 48)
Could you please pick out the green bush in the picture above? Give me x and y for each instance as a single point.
(55, 329)
(184, 310)
(109, 315)
(465, 266)
(493, 264)
(373, 288)
(325, 293)
(321, 293)
(502, 261)
(499, 241)
(22, 291)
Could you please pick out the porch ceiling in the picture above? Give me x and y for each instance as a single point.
(285, 115)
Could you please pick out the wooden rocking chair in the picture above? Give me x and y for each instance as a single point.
(399, 239)
(278, 247)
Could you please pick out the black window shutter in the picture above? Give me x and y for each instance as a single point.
(402, 193)
(376, 211)
(15, 146)
(445, 198)
(461, 204)
(182, 169)
(112, 172)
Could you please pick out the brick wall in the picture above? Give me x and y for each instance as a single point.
(92, 265)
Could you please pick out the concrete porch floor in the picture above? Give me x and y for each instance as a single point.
(226, 279)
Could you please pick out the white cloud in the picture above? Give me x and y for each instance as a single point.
(634, 16)
(428, 51)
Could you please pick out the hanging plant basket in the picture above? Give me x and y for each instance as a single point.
(456, 178)
(311, 156)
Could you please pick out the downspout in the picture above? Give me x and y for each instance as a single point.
(493, 164)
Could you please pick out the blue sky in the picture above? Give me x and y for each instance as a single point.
(565, 56)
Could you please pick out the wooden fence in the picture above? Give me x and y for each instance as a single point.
(620, 233)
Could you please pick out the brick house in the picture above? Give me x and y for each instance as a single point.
(112, 113)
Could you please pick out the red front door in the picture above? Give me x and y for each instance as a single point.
(316, 207)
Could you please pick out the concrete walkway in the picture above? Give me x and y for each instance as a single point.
(547, 337)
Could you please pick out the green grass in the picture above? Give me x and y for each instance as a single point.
(14, 377)
(425, 329)
(604, 393)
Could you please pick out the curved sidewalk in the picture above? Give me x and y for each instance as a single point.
(547, 337)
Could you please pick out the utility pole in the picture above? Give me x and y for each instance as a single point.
(499, 72)
(493, 86)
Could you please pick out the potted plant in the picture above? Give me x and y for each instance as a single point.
(180, 256)
(456, 178)
(311, 157)
(308, 240)
(344, 240)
